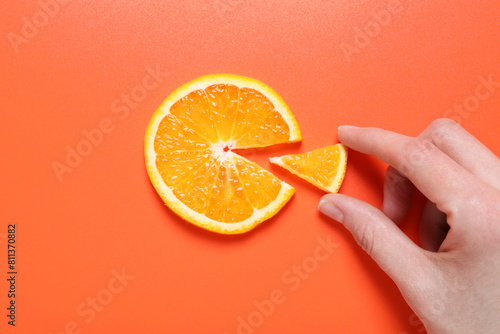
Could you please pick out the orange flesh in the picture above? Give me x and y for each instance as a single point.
(193, 146)
(316, 166)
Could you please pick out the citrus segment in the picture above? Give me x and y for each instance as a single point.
(193, 110)
(173, 135)
(253, 107)
(272, 129)
(223, 101)
(260, 186)
(175, 166)
(192, 180)
(189, 159)
(229, 203)
(323, 167)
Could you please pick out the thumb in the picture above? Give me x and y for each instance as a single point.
(379, 236)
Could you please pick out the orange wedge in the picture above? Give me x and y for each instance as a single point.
(324, 167)
(189, 157)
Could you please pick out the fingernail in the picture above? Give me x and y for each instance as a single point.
(347, 127)
(329, 209)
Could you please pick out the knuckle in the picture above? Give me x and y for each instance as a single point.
(488, 212)
(417, 152)
(391, 179)
(394, 179)
(364, 237)
(441, 128)
(421, 146)
(393, 186)
(443, 123)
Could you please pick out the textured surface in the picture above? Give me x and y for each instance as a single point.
(81, 72)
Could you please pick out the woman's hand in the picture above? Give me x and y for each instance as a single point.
(452, 282)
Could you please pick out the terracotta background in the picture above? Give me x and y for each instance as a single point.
(64, 72)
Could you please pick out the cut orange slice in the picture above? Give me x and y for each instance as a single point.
(188, 153)
(324, 167)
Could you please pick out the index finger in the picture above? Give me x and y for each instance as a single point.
(436, 175)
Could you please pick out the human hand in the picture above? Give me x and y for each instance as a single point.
(452, 282)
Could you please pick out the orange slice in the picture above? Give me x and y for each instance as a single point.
(189, 157)
(324, 167)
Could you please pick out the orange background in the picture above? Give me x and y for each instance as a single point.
(69, 74)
